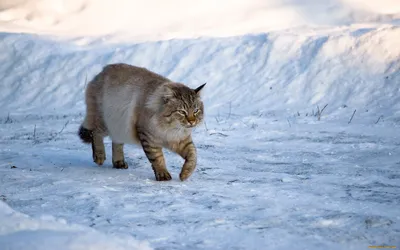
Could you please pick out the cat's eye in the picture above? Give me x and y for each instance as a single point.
(195, 111)
(181, 112)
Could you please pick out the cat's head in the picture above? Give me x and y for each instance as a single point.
(180, 105)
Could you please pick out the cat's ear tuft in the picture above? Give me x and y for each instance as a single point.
(166, 99)
(198, 89)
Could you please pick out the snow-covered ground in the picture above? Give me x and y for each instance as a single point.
(19, 231)
(272, 173)
(260, 184)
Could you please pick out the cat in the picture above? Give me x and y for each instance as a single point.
(133, 105)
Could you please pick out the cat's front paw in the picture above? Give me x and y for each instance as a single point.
(120, 165)
(187, 170)
(185, 174)
(162, 175)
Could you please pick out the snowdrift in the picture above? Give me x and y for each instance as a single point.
(19, 231)
(278, 71)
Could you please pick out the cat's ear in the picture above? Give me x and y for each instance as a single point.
(198, 89)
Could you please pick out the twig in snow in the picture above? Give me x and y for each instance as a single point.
(230, 110)
(34, 133)
(218, 133)
(205, 125)
(290, 125)
(378, 119)
(8, 120)
(298, 113)
(320, 111)
(65, 125)
(55, 135)
(352, 116)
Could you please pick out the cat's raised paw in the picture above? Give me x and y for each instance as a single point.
(120, 165)
(162, 175)
(184, 175)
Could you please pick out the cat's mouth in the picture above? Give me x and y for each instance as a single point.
(190, 125)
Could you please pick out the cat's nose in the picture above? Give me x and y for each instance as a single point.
(191, 122)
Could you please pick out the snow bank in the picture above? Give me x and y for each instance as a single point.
(278, 71)
(19, 231)
(155, 19)
(290, 56)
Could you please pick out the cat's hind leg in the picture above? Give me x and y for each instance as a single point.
(118, 158)
(98, 150)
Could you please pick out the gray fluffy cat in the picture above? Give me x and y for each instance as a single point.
(136, 106)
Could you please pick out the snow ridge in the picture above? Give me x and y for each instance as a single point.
(356, 69)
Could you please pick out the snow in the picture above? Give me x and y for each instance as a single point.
(19, 231)
(259, 182)
(272, 173)
(156, 19)
(286, 72)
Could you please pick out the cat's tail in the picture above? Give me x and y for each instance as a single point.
(85, 134)
(87, 127)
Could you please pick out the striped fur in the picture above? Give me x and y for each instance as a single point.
(136, 106)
